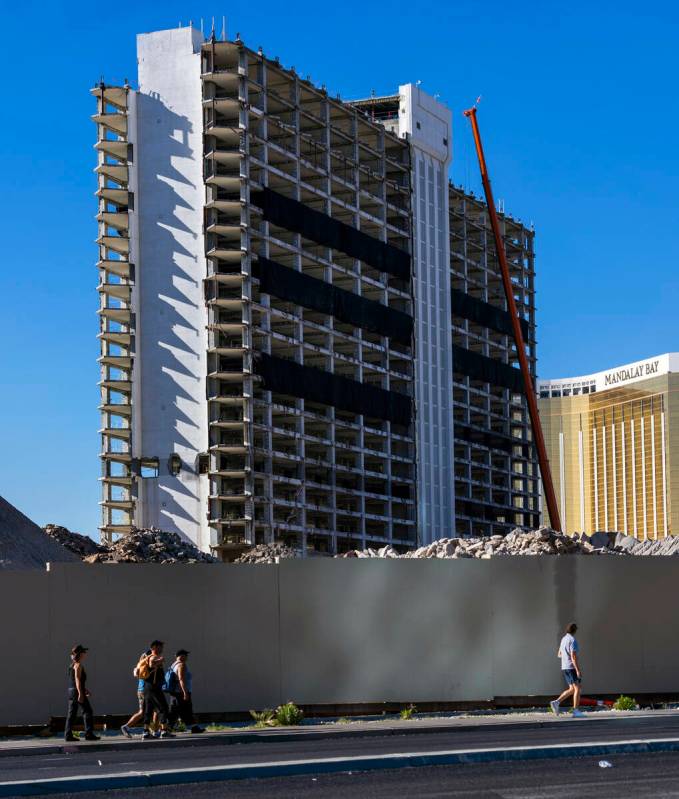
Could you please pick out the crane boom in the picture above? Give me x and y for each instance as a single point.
(538, 437)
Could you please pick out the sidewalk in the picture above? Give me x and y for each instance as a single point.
(35, 767)
(112, 741)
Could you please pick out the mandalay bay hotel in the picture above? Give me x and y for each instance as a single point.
(613, 443)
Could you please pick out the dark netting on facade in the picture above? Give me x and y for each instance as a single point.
(490, 512)
(323, 229)
(287, 377)
(483, 313)
(487, 370)
(490, 439)
(288, 284)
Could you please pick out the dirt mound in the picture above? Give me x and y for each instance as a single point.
(24, 545)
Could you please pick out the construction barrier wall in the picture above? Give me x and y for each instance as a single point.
(340, 631)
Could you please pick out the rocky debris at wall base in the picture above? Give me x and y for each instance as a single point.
(139, 546)
(267, 553)
(81, 545)
(529, 543)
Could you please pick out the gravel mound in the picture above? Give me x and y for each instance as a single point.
(23, 545)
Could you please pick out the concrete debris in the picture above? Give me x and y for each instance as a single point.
(150, 546)
(660, 546)
(528, 543)
(23, 545)
(267, 553)
(81, 545)
(139, 546)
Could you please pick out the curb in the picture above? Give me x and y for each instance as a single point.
(330, 766)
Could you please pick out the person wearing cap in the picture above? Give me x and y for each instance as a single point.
(154, 698)
(181, 704)
(78, 696)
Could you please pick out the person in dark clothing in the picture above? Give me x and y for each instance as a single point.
(78, 696)
(181, 704)
(151, 670)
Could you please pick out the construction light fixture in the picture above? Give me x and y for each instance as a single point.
(174, 464)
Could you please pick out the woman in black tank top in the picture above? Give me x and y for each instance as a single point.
(78, 696)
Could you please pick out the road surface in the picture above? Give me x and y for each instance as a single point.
(640, 776)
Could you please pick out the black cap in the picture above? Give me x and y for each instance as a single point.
(182, 652)
(78, 649)
(156, 643)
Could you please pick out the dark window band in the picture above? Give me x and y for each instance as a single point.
(488, 370)
(288, 284)
(483, 313)
(287, 377)
(489, 512)
(325, 230)
(490, 439)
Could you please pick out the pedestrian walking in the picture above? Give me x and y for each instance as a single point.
(178, 683)
(137, 717)
(151, 670)
(568, 651)
(78, 696)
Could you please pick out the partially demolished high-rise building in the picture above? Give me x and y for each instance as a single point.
(275, 281)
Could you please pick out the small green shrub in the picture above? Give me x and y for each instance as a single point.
(288, 715)
(343, 720)
(407, 712)
(625, 703)
(264, 718)
(217, 727)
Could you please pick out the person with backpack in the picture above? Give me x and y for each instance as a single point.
(78, 696)
(178, 683)
(150, 669)
(135, 718)
(570, 668)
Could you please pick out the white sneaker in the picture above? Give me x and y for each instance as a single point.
(126, 731)
(556, 708)
(578, 714)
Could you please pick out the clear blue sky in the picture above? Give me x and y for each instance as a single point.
(579, 117)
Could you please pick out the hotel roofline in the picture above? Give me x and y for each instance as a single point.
(611, 378)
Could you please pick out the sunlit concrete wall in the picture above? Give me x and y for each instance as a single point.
(171, 357)
(340, 631)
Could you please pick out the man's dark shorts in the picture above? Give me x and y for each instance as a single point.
(571, 676)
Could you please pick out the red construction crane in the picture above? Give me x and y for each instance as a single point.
(538, 437)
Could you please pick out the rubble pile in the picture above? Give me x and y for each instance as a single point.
(661, 546)
(150, 546)
(82, 545)
(267, 553)
(139, 546)
(519, 542)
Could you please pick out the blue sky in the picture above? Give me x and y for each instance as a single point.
(579, 118)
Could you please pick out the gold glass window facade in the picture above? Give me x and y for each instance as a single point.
(614, 455)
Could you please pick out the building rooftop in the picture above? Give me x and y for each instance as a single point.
(610, 378)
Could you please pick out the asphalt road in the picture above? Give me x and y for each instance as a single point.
(133, 757)
(655, 775)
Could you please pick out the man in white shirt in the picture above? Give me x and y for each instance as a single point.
(570, 668)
